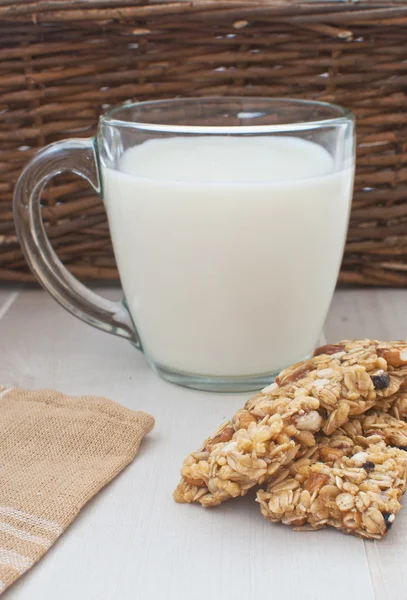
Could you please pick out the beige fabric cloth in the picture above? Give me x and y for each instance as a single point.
(56, 453)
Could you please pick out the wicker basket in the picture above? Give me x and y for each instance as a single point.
(62, 63)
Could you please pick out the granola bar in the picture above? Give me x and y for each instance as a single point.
(357, 494)
(280, 423)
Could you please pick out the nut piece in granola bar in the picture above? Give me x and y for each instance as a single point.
(281, 422)
(358, 494)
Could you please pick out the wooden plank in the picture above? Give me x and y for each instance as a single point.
(377, 314)
(133, 540)
(8, 294)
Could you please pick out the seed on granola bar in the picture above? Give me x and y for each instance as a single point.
(328, 349)
(293, 374)
(368, 466)
(315, 482)
(224, 435)
(328, 454)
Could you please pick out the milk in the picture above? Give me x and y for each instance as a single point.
(228, 248)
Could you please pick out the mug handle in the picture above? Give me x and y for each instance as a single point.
(80, 157)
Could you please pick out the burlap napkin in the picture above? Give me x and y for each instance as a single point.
(56, 453)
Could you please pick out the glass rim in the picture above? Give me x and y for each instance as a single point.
(343, 115)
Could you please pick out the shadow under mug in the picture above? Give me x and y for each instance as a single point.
(228, 218)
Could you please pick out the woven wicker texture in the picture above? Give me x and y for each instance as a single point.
(62, 63)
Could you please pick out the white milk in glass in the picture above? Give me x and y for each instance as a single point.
(228, 248)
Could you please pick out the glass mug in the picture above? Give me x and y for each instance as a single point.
(228, 218)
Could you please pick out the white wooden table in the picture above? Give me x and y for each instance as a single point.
(132, 541)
